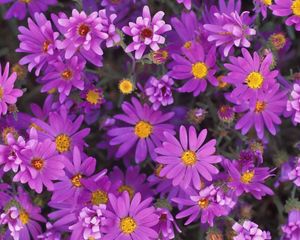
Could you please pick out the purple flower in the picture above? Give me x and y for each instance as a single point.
(230, 30)
(262, 6)
(249, 230)
(187, 3)
(84, 34)
(8, 94)
(290, 8)
(294, 174)
(159, 91)
(132, 219)
(50, 234)
(145, 130)
(291, 229)
(196, 67)
(293, 104)
(63, 75)
(147, 31)
(187, 160)
(38, 42)
(93, 98)
(19, 8)
(249, 74)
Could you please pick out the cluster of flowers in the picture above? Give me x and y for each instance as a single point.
(52, 188)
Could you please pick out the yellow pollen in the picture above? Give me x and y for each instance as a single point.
(247, 176)
(267, 2)
(203, 203)
(296, 7)
(128, 189)
(76, 180)
(83, 30)
(164, 54)
(93, 97)
(189, 158)
(67, 74)
(99, 197)
(260, 106)
(199, 70)
(24, 217)
(1, 93)
(158, 170)
(143, 129)
(63, 143)
(37, 163)
(187, 45)
(128, 225)
(46, 46)
(221, 83)
(254, 80)
(278, 40)
(8, 130)
(126, 86)
(25, 1)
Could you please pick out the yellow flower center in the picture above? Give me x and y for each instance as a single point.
(143, 129)
(8, 130)
(296, 7)
(76, 180)
(1, 93)
(267, 2)
(260, 106)
(247, 176)
(126, 86)
(199, 70)
(46, 46)
(128, 189)
(221, 83)
(37, 163)
(278, 40)
(187, 45)
(24, 217)
(128, 225)
(83, 30)
(203, 203)
(189, 158)
(254, 80)
(99, 197)
(93, 97)
(158, 170)
(63, 143)
(67, 74)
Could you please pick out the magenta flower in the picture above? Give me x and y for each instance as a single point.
(186, 160)
(289, 8)
(230, 30)
(293, 104)
(294, 174)
(196, 66)
(38, 42)
(249, 230)
(187, 3)
(63, 75)
(132, 219)
(249, 74)
(291, 229)
(147, 31)
(261, 6)
(145, 130)
(8, 94)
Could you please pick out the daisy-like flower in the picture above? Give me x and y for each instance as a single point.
(147, 31)
(261, 6)
(41, 164)
(196, 66)
(8, 94)
(294, 174)
(145, 130)
(63, 75)
(132, 219)
(19, 8)
(249, 230)
(187, 160)
(160, 92)
(249, 74)
(262, 111)
(38, 42)
(230, 30)
(84, 34)
(293, 104)
(226, 114)
(187, 3)
(288, 8)
(291, 230)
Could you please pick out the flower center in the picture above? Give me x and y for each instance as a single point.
(199, 70)
(128, 189)
(146, 33)
(128, 225)
(125, 86)
(46, 46)
(143, 129)
(93, 97)
(63, 143)
(8, 130)
(247, 176)
(254, 80)
(83, 30)
(67, 74)
(76, 180)
(278, 40)
(189, 157)
(115, 1)
(158, 170)
(267, 2)
(260, 106)
(37, 163)
(24, 217)
(99, 197)
(187, 45)
(1, 93)
(296, 7)
(203, 203)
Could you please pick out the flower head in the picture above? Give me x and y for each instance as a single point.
(291, 229)
(293, 104)
(249, 230)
